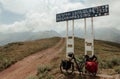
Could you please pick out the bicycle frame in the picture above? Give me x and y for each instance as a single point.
(72, 57)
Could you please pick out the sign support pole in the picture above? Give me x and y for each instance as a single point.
(66, 36)
(69, 39)
(73, 34)
(85, 35)
(92, 36)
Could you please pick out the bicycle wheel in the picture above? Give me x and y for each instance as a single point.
(61, 68)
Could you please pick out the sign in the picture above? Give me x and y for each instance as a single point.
(83, 13)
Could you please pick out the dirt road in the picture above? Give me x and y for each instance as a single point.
(28, 65)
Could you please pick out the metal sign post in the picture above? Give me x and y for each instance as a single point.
(82, 14)
(89, 42)
(69, 40)
(85, 35)
(92, 36)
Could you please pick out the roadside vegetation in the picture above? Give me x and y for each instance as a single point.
(43, 72)
(13, 52)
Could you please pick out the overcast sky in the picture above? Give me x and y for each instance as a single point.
(40, 15)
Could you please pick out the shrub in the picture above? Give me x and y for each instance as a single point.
(50, 77)
(43, 68)
(115, 61)
(102, 65)
(42, 72)
(110, 63)
(5, 63)
(117, 69)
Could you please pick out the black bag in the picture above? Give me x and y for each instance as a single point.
(66, 64)
(93, 58)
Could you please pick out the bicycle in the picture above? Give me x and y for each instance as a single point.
(68, 65)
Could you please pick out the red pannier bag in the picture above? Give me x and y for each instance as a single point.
(91, 66)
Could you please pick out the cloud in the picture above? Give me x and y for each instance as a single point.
(23, 6)
(40, 15)
(111, 21)
(19, 6)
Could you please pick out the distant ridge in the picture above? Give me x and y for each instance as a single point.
(106, 34)
(26, 36)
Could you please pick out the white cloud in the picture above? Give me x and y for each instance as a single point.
(23, 6)
(16, 27)
(41, 14)
(20, 6)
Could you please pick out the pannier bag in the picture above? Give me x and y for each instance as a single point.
(66, 64)
(91, 66)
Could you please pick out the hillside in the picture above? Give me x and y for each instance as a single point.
(48, 60)
(13, 52)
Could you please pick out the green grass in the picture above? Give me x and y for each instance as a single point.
(43, 72)
(43, 69)
(13, 52)
(117, 69)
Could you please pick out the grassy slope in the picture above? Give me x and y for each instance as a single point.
(13, 52)
(108, 54)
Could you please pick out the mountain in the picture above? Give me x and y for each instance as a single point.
(109, 34)
(25, 36)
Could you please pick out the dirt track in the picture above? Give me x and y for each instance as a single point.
(28, 65)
